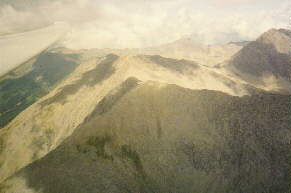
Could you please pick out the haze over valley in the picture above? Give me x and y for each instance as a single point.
(92, 103)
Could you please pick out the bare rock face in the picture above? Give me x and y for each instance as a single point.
(153, 137)
(265, 59)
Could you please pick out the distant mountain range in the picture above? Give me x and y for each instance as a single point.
(176, 118)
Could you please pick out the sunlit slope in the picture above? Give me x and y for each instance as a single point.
(46, 123)
(153, 137)
(185, 48)
(18, 48)
(209, 55)
(140, 121)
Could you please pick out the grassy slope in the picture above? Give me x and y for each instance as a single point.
(19, 92)
(157, 138)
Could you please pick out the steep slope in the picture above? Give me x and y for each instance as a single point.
(265, 62)
(185, 73)
(43, 125)
(30, 81)
(46, 123)
(153, 137)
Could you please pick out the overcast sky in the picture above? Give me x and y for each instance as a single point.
(142, 23)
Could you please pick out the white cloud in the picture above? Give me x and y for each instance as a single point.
(138, 23)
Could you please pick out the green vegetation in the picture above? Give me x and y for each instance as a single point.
(129, 153)
(99, 144)
(4, 188)
(96, 144)
(19, 93)
(211, 142)
(1, 145)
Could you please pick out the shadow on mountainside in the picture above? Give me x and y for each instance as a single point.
(172, 139)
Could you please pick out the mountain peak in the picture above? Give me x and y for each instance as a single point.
(279, 38)
(265, 61)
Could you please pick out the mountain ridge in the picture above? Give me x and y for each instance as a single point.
(265, 61)
(53, 117)
(144, 153)
(161, 99)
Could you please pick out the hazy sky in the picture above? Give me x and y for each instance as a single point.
(138, 23)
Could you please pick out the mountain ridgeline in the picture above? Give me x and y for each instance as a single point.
(118, 121)
(163, 138)
(266, 57)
